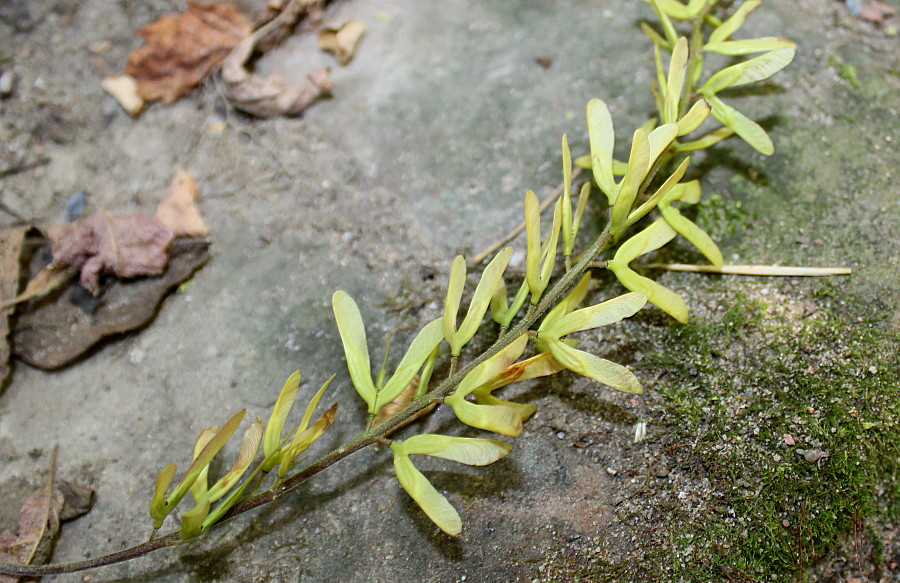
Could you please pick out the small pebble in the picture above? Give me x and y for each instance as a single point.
(75, 206)
(7, 80)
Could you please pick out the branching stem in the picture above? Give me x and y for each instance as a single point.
(368, 437)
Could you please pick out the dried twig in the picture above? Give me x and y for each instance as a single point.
(768, 270)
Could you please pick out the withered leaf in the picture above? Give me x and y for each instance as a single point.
(876, 12)
(178, 210)
(10, 258)
(270, 96)
(37, 529)
(50, 334)
(47, 280)
(124, 245)
(341, 40)
(398, 404)
(181, 50)
(77, 499)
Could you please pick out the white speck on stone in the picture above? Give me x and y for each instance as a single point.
(136, 356)
(7, 80)
(640, 431)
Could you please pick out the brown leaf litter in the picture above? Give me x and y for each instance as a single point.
(182, 49)
(270, 95)
(57, 322)
(342, 40)
(39, 521)
(10, 253)
(876, 12)
(104, 243)
(178, 210)
(51, 334)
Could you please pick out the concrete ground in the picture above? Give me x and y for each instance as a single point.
(435, 130)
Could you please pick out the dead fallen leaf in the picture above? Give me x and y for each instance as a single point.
(10, 262)
(876, 12)
(177, 210)
(38, 527)
(77, 499)
(270, 96)
(50, 334)
(124, 245)
(124, 89)
(47, 280)
(181, 50)
(341, 40)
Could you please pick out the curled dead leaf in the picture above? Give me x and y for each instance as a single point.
(182, 49)
(341, 40)
(47, 280)
(271, 95)
(10, 261)
(124, 245)
(37, 529)
(876, 12)
(178, 210)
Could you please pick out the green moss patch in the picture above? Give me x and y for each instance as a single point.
(793, 417)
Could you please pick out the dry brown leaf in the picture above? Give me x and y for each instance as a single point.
(341, 40)
(49, 335)
(270, 96)
(181, 50)
(10, 262)
(47, 280)
(127, 246)
(876, 12)
(38, 527)
(78, 500)
(178, 210)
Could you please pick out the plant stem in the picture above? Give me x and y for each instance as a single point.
(368, 437)
(170, 540)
